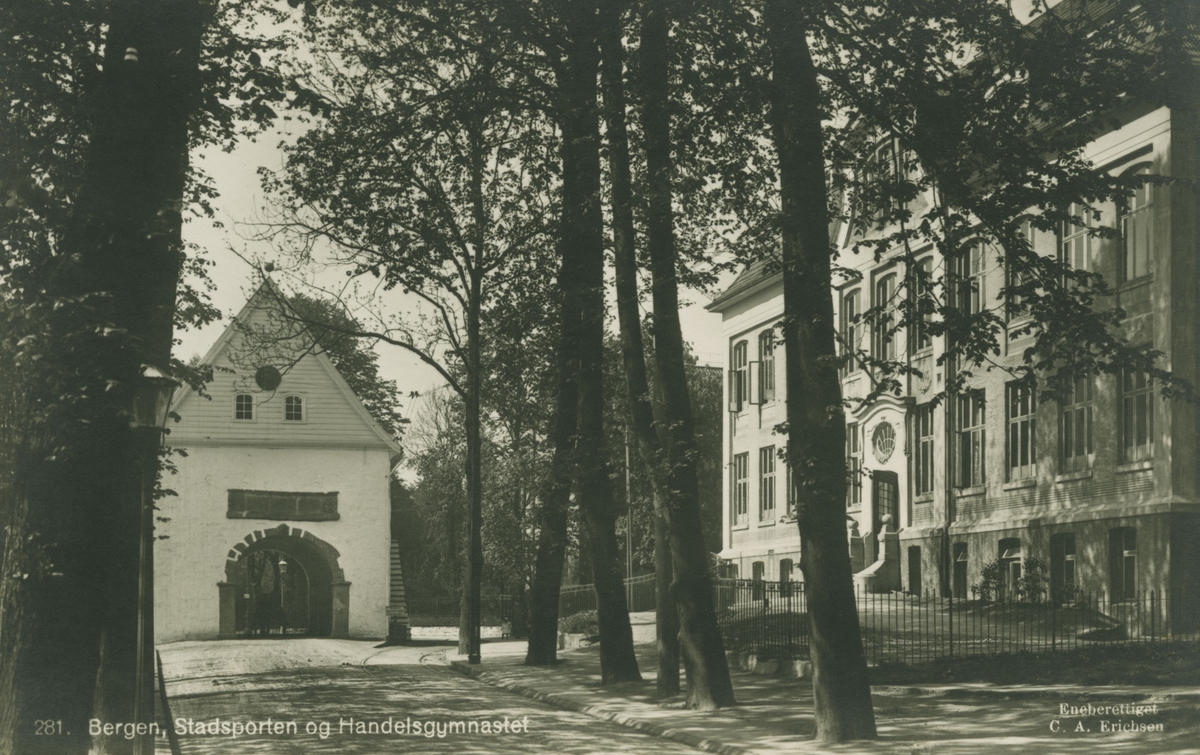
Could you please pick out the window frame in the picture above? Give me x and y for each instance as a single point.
(919, 339)
(1014, 302)
(1063, 559)
(739, 376)
(238, 410)
(851, 330)
(303, 418)
(1074, 413)
(1011, 554)
(1122, 563)
(883, 337)
(971, 439)
(1127, 213)
(766, 484)
(854, 486)
(1069, 233)
(970, 269)
(1020, 431)
(1139, 401)
(923, 457)
(766, 358)
(740, 480)
(789, 511)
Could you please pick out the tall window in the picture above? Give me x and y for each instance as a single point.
(884, 343)
(1062, 567)
(923, 459)
(739, 377)
(1137, 416)
(959, 585)
(1010, 566)
(785, 578)
(766, 484)
(293, 409)
(1077, 248)
(1136, 230)
(758, 572)
(790, 496)
(243, 406)
(766, 354)
(1122, 563)
(969, 268)
(922, 288)
(1015, 278)
(880, 180)
(1075, 427)
(851, 309)
(853, 466)
(970, 439)
(1022, 462)
(741, 488)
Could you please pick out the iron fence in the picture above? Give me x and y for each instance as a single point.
(639, 596)
(770, 619)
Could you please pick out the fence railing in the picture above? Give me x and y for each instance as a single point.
(771, 619)
(639, 596)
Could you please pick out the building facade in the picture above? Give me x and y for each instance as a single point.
(1100, 492)
(282, 520)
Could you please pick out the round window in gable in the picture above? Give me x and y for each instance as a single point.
(268, 378)
(884, 441)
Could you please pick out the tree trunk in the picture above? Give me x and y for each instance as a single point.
(583, 239)
(471, 614)
(633, 350)
(80, 625)
(709, 685)
(816, 438)
(553, 515)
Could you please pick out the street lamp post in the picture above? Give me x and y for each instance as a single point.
(151, 405)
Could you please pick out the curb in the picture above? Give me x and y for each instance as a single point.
(560, 701)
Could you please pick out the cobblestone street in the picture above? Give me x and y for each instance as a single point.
(324, 694)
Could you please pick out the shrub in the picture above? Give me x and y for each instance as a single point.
(989, 585)
(584, 622)
(1031, 587)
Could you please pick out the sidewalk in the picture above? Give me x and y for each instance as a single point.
(774, 714)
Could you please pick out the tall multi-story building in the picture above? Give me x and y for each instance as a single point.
(1102, 487)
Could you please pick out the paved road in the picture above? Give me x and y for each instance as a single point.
(338, 696)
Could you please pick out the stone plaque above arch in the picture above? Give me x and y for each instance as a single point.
(273, 504)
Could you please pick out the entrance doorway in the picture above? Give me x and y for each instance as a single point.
(914, 570)
(274, 596)
(886, 503)
(283, 583)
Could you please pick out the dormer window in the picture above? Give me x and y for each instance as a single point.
(243, 406)
(293, 409)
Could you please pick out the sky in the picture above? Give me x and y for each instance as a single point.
(242, 203)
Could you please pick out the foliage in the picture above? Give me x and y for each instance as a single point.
(584, 622)
(1030, 587)
(706, 386)
(1033, 585)
(989, 132)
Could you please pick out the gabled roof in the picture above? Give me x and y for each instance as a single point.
(759, 274)
(260, 302)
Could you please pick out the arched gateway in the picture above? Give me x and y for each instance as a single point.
(283, 581)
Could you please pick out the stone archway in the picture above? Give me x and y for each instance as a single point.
(329, 592)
